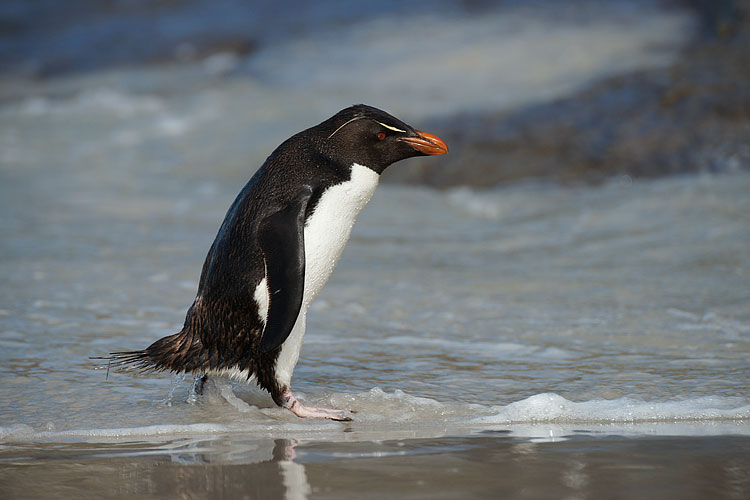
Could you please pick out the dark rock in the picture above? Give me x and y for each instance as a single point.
(692, 116)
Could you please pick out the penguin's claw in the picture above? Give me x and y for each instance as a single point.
(312, 412)
(292, 404)
(337, 415)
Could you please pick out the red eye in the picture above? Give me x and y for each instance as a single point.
(381, 136)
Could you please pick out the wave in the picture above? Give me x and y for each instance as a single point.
(550, 407)
(383, 414)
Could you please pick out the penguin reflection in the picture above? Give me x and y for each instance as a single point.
(293, 473)
(255, 469)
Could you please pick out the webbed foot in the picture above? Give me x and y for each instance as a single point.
(292, 404)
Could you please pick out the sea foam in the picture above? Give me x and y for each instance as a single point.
(550, 407)
(384, 414)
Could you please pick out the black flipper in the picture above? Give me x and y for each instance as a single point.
(281, 237)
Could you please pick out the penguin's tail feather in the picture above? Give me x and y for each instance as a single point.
(176, 353)
(137, 360)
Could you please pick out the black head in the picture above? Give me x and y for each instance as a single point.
(373, 138)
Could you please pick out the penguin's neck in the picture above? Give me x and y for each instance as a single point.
(328, 228)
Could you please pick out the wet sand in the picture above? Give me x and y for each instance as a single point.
(483, 465)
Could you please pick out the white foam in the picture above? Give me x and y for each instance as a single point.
(550, 407)
(542, 416)
(377, 405)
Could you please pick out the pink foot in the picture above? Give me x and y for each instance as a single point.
(291, 403)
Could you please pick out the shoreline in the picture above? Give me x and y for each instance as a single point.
(486, 465)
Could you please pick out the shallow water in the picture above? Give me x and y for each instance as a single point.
(621, 303)
(468, 330)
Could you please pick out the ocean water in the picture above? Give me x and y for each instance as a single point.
(589, 334)
(619, 304)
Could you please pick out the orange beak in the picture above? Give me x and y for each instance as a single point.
(427, 143)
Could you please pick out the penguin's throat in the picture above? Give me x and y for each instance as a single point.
(328, 228)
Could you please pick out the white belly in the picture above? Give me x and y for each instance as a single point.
(326, 233)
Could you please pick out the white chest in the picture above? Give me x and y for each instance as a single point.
(326, 233)
(329, 227)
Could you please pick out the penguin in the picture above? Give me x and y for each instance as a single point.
(276, 249)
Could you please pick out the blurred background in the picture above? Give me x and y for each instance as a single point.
(575, 91)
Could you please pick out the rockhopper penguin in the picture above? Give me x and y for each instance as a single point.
(277, 247)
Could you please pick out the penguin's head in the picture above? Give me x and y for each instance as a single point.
(373, 138)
